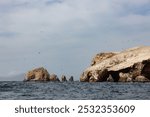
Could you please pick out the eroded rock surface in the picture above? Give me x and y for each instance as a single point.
(101, 56)
(132, 65)
(38, 74)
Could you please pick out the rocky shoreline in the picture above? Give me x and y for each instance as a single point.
(132, 65)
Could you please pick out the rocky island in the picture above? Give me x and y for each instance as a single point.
(131, 65)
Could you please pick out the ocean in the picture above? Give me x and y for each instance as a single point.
(18, 90)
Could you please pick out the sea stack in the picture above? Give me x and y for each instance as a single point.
(131, 65)
(63, 78)
(40, 74)
(71, 79)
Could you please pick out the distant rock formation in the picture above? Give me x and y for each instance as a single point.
(53, 77)
(71, 79)
(63, 78)
(132, 65)
(41, 74)
(38, 74)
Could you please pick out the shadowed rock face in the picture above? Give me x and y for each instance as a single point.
(63, 78)
(71, 79)
(132, 65)
(146, 70)
(39, 74)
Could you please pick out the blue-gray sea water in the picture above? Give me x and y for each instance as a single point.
(17, 90)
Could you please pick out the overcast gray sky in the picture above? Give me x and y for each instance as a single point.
(64, 35)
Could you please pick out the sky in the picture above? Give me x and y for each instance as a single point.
(64, 35)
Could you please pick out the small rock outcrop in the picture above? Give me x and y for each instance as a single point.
(132, 65)
(53, 77)
(63, 78)
(71, 79)
(110, 79)
(141, 79)
(38, 74)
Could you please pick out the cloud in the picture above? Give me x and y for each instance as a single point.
(68, 30)
(6, 34)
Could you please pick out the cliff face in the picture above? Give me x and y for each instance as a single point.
(129, 65)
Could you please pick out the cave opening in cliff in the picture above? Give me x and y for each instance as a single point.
(146, 70)
(115, 75)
